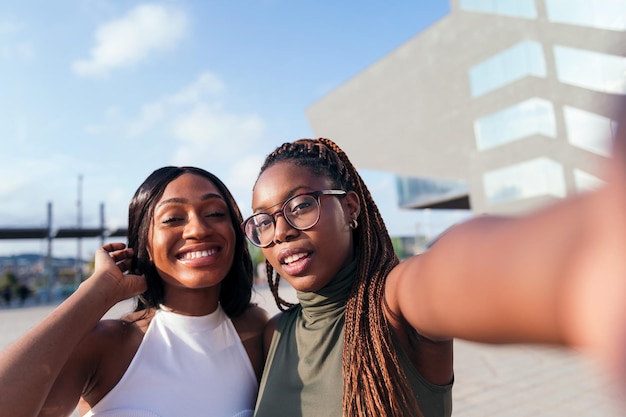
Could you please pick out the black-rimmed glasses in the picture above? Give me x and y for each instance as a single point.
(301, 211)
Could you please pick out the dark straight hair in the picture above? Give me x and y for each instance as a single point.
(236, 288)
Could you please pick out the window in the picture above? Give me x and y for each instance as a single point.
(533, 178)
(516, 8)
(589, 131)
(592, 70)
(585, 181)
(414, 191)
(602, 14)
(530, 117)
(521, 60)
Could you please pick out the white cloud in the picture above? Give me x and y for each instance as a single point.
(23, 194)
(126, 41)
(195, 116)
(112, 121)
(203, 89)
(206, 84)
(8, 27)
(207, 130)
(151, 114)
(11, 47)
(244, 171)
(240, 179)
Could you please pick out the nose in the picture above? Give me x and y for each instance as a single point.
(283, 231)
(195, 228)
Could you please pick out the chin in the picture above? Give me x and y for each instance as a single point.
(305, 285)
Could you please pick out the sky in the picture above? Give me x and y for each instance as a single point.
(109, 90)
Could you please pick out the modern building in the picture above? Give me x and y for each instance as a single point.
(501, 106)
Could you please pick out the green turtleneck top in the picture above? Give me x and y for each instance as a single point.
(303, 371)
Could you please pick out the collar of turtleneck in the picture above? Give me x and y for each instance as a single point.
(328, 303)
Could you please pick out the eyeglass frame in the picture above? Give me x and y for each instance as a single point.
(281, 211)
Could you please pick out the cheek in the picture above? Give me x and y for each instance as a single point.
(158, 246)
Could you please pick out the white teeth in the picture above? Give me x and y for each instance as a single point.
(198, 254)
(294, 258)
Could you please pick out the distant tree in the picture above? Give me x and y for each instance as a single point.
(8, 285)
(9, 279)
(256, 254)
(398, 247)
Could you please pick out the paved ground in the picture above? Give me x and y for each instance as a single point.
(503, 381)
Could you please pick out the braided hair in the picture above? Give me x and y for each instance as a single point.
(374, 382)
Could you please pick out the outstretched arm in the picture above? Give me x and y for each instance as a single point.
(30, 366)
(555, 276)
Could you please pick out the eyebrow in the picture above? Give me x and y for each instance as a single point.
(181, 200)
(290, 193)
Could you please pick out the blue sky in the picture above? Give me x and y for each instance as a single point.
(112, 90)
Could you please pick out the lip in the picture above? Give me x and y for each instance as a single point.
(198, 254)
(287, 253)
(295, 261)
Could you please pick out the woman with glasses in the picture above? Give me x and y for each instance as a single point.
(193, 346)
(373, 337)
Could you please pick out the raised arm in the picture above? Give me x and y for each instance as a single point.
(30, 366)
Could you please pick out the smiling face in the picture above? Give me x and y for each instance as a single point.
(192, 240)
(308, 259)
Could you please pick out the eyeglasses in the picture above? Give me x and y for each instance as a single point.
(301, 211)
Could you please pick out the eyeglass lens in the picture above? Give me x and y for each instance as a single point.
(301, 212)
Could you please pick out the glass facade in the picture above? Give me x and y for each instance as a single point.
(533, 178)
(530, 117)
(585, 181)
(524, 59)
(601, 14)
(592, 70)
(414, 192)
(516, 8)
(589, 131)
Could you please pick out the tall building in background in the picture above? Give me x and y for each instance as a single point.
(500, 107)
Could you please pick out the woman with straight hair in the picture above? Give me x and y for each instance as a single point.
(193, 345)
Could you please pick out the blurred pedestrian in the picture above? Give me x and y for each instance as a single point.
(23, 292)
(7, 294)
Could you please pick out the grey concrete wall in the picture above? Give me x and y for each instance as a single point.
(412, 113)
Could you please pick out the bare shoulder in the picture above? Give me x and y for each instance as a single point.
(251, 322)
(272, 324)
(250, 326)
(270, 328)
(114, 344)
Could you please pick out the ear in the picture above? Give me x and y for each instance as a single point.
(353, 203)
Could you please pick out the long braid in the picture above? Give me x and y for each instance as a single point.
(273, 281)
(374, 382)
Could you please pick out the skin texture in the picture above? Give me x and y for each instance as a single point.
(192, 244)
(62, 359)
(329, 241)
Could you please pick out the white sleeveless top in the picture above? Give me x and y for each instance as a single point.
(186, 366)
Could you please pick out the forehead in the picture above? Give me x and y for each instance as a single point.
(187, 186)
(282, 180)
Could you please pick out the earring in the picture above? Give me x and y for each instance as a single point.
(354, 224)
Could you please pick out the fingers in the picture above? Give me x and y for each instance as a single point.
(124, 265)
(121, 255)
(110, 247)
(118, 253)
